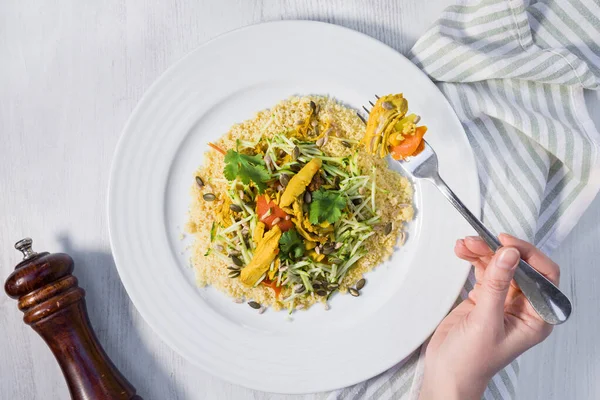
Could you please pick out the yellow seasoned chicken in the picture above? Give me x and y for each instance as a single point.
(266, 251)
(258, 233)
(300, 222)
(390, 130)
(297, 185)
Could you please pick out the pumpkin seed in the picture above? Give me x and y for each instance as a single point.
(209, 197)
(387, 105)
(360, 284)
(356, 201)
(284, 179)
(235, 208)
(316, 286)
(254, 305)
(336, 182)
(328, 248)
(296, 152)
(401, 238)
(236, 260)
(336, 261)
(199, 181)
(233, 268)
(417, 119)
(307, 197)
(268, 160)
(332, 286)
(320, 142)
(296, 167)
(299, 288)
(321, 292)
(347, 144)
(388, 228)
(234, 274)
(354, 292)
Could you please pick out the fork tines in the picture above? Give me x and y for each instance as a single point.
(361, 118)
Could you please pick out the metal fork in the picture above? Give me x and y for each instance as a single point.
(547, 300)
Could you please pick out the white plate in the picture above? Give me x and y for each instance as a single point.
(226, 81)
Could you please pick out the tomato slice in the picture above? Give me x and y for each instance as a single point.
(276, 212)
(409, 145)
(272, 285)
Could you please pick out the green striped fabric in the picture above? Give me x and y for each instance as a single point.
(515, 72)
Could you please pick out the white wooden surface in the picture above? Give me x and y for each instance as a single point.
(71, 71)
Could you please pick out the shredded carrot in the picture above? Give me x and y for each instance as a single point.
(273, 285)
(409, 145)
(217, 148)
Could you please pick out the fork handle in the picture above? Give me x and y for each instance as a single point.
(552, 305)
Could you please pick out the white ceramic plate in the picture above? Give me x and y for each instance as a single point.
(226, 81)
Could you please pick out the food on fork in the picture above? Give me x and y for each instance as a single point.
(288, 209)
(391, 131)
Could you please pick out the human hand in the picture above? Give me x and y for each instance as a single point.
(490, 328)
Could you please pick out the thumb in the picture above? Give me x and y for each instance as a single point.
(496, 282)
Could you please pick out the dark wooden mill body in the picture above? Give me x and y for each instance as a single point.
(54, 306)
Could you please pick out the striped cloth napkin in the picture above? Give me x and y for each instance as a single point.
(515, 72)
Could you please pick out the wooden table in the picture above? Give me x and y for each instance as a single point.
(71, 73)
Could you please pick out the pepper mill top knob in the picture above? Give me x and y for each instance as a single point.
(24, 246)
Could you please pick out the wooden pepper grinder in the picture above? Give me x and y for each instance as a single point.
(54, 306)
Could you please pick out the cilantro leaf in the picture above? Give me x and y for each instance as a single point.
(326, 206)
(247, 168)
(291, 244)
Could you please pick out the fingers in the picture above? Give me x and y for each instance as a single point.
(462, 251)
(533, 256)
(478, 246)
(494, 288)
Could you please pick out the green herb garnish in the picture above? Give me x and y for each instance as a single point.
(291, 244)
(213, 231)
(326, 206)
(247, 168)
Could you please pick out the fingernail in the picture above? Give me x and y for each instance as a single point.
(508, 258)
(474, 238)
